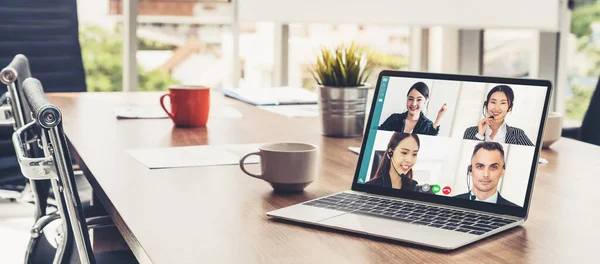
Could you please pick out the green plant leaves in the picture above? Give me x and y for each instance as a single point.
(342, 66)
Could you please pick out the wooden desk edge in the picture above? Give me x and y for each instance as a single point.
(125, 231)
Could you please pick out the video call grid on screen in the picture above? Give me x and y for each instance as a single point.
(443, 159)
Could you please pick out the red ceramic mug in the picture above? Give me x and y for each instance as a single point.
(189, 105)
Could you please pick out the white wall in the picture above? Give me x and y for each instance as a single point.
(437, 160)
(534, 14)
(440, 92)
(516, 177)
(469, 108)
(443, 92)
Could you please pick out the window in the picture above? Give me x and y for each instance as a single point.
(508, 53)
(184, 42)
(258, 40)
(101, 46)
(179, 41)
(584, 59)
(191, 42)
(256, 53)
(389, 44)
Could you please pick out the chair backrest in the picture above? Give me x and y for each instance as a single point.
(13, 77)
(590, 127)
(376, 160)
(47, 33)
(48, 117)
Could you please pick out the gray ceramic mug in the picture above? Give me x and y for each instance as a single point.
(288, 167)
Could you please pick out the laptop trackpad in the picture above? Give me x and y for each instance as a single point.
(398, 230)
(304, 213)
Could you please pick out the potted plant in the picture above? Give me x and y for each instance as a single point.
(341, 75)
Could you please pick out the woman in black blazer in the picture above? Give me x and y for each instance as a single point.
(413, 120)
(493, 127)
(396, 167)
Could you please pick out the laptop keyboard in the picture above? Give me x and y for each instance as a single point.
(444, 218)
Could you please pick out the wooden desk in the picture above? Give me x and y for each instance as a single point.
(217, 214)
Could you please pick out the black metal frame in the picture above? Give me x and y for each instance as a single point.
(55, 165)
(13, 77)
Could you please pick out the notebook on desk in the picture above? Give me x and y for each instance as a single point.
(272, 96)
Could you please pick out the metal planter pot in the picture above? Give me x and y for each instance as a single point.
(343, 110)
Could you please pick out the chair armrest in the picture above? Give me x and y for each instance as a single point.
(571, 132)
(41, 223)
(4, 98)
(99, 222)
(5, 116)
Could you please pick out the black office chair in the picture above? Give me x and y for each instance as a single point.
(56, 166)
(376, 160)
(590, 127)
(47, 32)
(13, 76)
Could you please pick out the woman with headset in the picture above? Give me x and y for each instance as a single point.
(396, 167)
(413, 120)
(493, 127)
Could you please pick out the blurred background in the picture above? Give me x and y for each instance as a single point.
(191, 41)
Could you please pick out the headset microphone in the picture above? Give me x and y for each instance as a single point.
(484, 110)
(471, 196)
(390, 153)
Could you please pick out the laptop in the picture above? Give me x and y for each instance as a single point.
(446, 160)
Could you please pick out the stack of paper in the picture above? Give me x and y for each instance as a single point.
(272, 96)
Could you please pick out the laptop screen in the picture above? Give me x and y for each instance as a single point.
(460, 139)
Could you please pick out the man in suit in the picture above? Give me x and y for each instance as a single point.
(486, 169)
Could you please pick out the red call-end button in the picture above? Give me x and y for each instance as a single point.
(447, 190)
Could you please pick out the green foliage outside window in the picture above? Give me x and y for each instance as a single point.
(586, 12)
(578, 104)
(389, 61)
(102, 52)
(592, 52)
(582, 17)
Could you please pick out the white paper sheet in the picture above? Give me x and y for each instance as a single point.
(293, 110)
(272, 96)
(150, 112)
(354, 149)
(194, 156)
